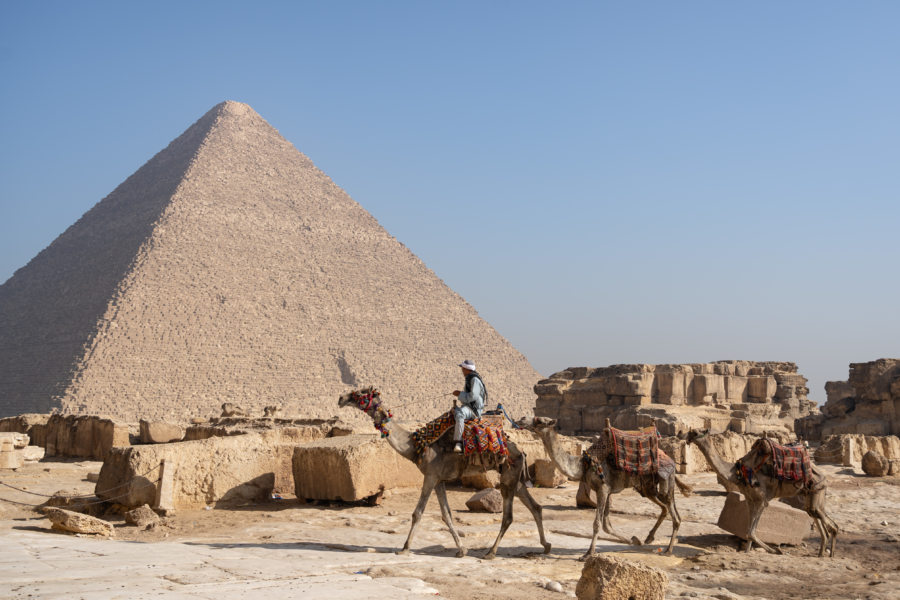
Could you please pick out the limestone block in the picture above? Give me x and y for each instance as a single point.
(67, 520)
(605, 577)
(160, 432)
(142, 517)
(220, 470)
(546, 474)
(708, 385)
(16, 440)
(778, 524)
(759, 388)
(350, 468)
(736, 388)
(11, 459)
(33, 453)
(489, 500)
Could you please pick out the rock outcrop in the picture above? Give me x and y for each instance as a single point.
(743, 396)
(868, 403)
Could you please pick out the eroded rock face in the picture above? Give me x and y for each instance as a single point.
(160, 432)
(848, 449)
(868, 403)
(605, 577)
(743, 396)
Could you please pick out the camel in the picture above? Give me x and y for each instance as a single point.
(439, 464)
(766, 488)
(659, 488)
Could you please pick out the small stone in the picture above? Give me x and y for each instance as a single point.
(553, 586)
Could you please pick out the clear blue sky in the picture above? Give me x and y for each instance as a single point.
(604, 182)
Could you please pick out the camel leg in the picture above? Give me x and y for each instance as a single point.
(659, 520)
(827, 527)
(756, 510)
(441, 493)
(424, 495)
(608, 528)
(505, 523)
(536, 512)
(676, 521)
(822, 534)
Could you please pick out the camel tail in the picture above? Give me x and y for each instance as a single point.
(685, 488)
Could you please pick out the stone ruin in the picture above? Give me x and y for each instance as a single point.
(868, 403)
(735, 395)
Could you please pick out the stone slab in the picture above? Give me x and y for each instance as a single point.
(779, 523)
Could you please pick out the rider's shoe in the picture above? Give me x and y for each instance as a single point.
(458, 447)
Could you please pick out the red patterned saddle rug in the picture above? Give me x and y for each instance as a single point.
(634, 451)
(789, 463)
(479, 435)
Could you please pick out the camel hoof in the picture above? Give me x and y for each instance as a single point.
(649, 540)
(547, 548)
(635, 541)
(460, 553)
(585, 556)
(491, 555)
(402, 552)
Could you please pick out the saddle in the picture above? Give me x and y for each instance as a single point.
(481, 437)
(632, 451)
(789, 462)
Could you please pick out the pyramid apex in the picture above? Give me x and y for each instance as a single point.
(232, 108)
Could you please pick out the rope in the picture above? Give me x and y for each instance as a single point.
(85, 496)
(82, 504)
(503, 410)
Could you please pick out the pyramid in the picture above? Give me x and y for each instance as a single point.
(229, 268)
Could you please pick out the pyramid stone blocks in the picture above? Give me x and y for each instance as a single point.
(230, 269)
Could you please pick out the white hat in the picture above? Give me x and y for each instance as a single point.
(467, 364)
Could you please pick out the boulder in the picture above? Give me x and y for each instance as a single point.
(486, 501)
(546, 474)
(350, 468)
(778, 524)
(142, 517)
(33, 453)
(159, 432)
(480, 480)
(84, 436)
(15, 439)
(605, 577)
(875, 464)
(67, 520)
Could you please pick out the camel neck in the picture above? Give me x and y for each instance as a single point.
(569, 465)
(723, 469)
(400, 440)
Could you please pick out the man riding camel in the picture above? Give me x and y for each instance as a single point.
(472, 399)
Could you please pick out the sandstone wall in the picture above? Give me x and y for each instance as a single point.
(32, 424)
(868, 403)
(743, 396)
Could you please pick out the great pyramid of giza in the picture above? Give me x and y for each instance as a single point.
(229, 268)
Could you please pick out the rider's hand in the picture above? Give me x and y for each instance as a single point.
(456, 393)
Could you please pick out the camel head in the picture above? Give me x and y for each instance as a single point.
(353, 398)
(540, 425)
(693, 435)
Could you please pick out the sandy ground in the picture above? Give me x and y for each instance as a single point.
(285, 549)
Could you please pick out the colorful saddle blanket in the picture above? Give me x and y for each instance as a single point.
(789, 463)
(479, 436)
(634, 451)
